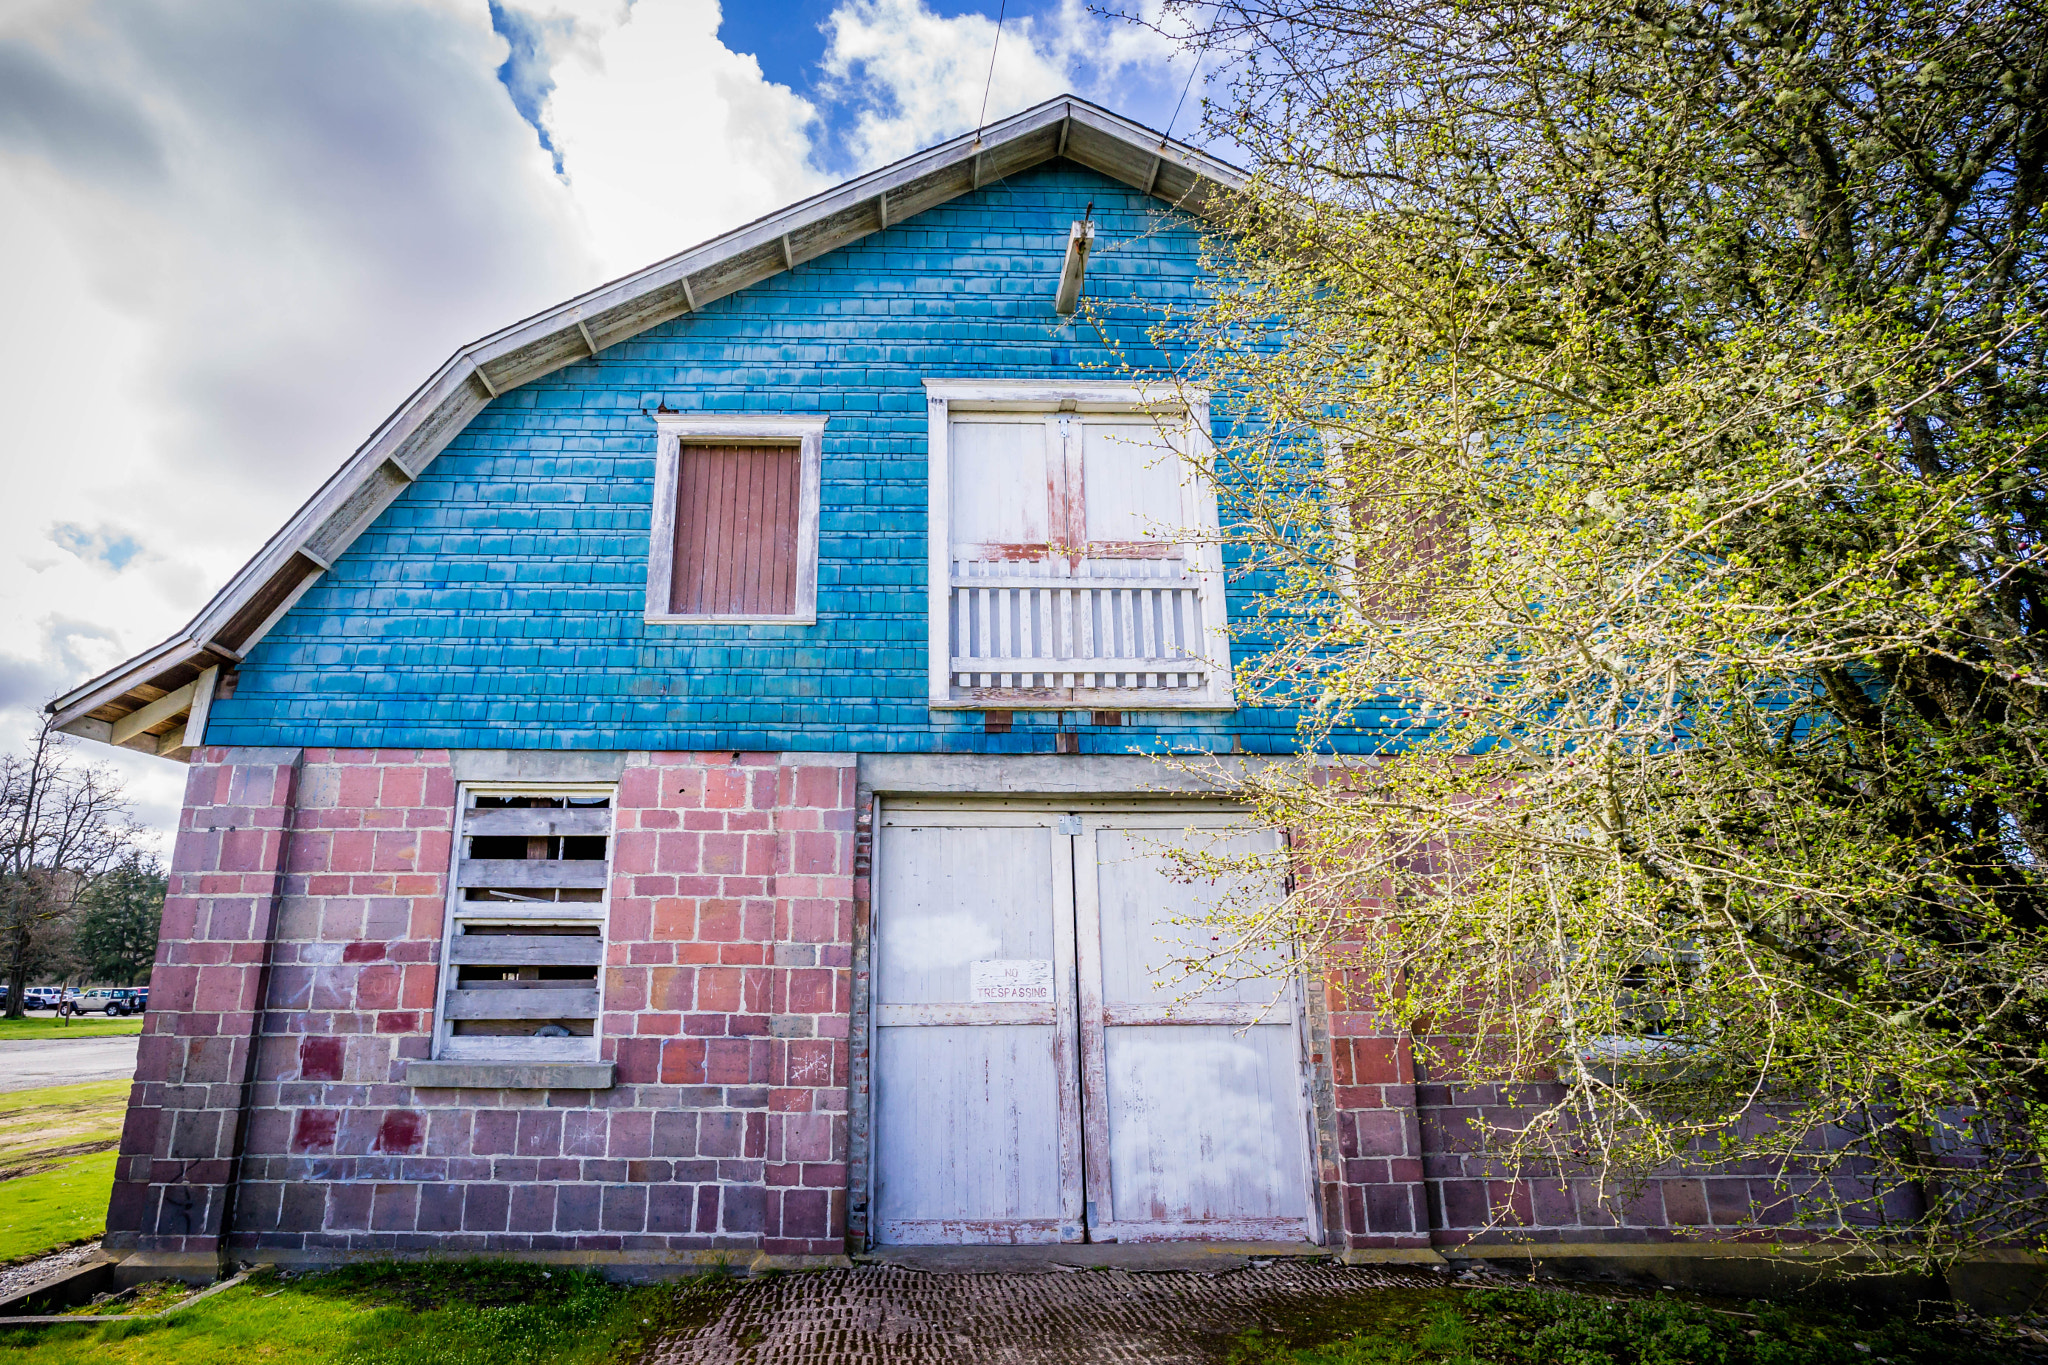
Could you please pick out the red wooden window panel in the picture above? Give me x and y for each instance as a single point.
(737, 509)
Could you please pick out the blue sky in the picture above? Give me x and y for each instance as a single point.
(237, 235)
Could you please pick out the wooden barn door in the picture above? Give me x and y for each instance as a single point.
(1039, 1077)
(976, 1109)
(1193, 1099)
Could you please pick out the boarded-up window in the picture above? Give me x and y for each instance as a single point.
(1023, 485)
(526, 926)
(738, 509)
(1402, 545)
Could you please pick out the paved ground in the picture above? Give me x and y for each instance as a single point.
(1059, 1316)
(32, 1063)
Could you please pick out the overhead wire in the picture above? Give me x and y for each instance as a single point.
(1189, 84)
(989, 84)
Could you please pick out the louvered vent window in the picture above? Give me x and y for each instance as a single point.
(520, 979)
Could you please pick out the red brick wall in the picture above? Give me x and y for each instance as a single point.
(1379, 1142)
(726, 996)
(193, 1065)
(1415, 1172)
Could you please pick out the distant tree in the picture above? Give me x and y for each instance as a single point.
(63, 825)
(114, 939)
(1651, 449)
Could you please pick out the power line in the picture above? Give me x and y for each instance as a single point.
(989, 84)
(1200, 53)
(1184, 93)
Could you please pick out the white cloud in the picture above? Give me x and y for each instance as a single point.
(233, 245)
(914, 77)
(668, 138)
(238, 235)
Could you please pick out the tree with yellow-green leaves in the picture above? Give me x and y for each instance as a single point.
(1647, 442)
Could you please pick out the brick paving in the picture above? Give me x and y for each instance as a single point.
(1064, 1317)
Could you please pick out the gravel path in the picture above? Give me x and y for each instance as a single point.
(907, 1317)
(16, 1278)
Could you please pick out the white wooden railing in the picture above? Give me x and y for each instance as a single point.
(1108, 624)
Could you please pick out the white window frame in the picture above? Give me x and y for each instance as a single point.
(680, 428)
(945, 398)
(447, 1046)
(1334, 445)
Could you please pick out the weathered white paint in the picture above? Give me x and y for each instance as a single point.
(1000, 490)
(1039, 598)
(975, 1137)
(1186, 1096)
(967, 1140)
(1195, 1127)
(1133, 477)
(1204, 1128)
(1074, 269)
(1000, 980)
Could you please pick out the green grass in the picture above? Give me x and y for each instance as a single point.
(469, 1313)
(1548, 1327)
(39, 1213)
(49, 1026)
(56, 1165)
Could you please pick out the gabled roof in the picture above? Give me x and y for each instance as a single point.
(146, 702)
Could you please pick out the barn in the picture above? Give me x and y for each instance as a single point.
(688, 787)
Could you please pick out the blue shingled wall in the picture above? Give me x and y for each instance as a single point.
(498, 602)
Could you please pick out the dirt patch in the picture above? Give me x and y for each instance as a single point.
(34, 1137)
(49, 1159)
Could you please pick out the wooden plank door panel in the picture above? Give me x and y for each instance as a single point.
(1132, 485)
(976, 1110)
(1204, 1133)
(1195, 1117)
(736, 542)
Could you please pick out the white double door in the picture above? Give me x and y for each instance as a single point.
(1041, 1071)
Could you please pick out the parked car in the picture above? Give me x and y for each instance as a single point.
(112, 1001)
(41, 997)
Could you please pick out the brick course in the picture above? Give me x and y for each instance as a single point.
(725, 993)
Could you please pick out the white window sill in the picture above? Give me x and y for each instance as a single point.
(1136, 700)
(1623, 1047)
(730, 620)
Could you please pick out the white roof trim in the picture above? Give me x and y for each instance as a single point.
(243, 611)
